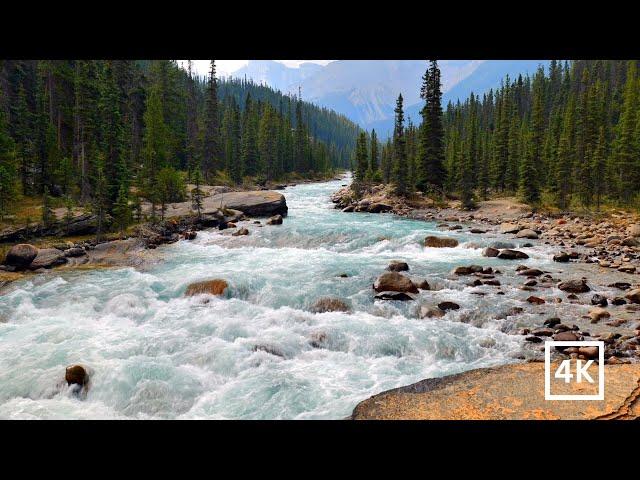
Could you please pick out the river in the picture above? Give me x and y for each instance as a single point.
(155, 353)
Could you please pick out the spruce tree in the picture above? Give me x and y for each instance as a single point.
(212, 151)
(361, 158)
(399, 168)
(431, 143)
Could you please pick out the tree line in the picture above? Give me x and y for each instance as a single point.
(568, 137)
(109, 134)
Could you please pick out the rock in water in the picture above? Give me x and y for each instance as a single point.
(328, 304)
(445, 306)
(254, 204)
(574, 286)
(490, 252)
(561, 257)
(48, 258)
(389, 295)
(379, 208)
(598, 313)
(275, 220)
(527, 233)
(240, 232)
(396, 266)
(211, 287)
(440, 242)
(76, 374)
(535, 300)
(394, 282)
(21, 255)
(509, 254)
(633, 296)
(599, 300)
(423, 285)
(509, 228)
(427, 311)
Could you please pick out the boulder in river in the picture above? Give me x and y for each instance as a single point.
(530, 272)
(490, 252)
(48, 258)
(574, 286)
(394, 282)
(390, 295)
(396, 266)
(501, 245)
(253, 203)
(535, 300)
(422, 285)
(598, 313)
(633, 296)
(329, 304)
(275, 220)
(562, 257)
(212, 287)
(509, 254)
(509, 228)
(240, 232)
(440, 242)
(76, 375)
(21, 255)
(446, 306)
(527, 233)
(599, 300)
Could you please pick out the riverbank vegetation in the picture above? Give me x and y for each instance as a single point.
(568, 138)
(108, 135)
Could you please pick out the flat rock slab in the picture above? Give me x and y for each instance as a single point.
(262, 203)
(508, 392)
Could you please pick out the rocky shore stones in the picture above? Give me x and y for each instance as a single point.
(527, 233)
(330, 304)
(379, 208)
(394, 282)
(397, 266)
(509, 254)
(76, 375)
(440, 242)
(634, 230)
(509, 228)
(531, 272)
(74, 252)
(252, 203)
(565, 337)
(212, 287)
(574, 286)
(21, 255)
(48, 258)
(490, 252)
(562, 257)
(275, 220)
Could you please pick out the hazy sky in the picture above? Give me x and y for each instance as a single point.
(225, 67)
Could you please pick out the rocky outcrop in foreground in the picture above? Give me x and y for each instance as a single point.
(508, 392)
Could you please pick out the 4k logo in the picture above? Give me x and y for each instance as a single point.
(574, 375)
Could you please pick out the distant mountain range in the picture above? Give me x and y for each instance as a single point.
(366, 90)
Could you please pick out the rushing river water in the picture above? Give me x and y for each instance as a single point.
(155, 353)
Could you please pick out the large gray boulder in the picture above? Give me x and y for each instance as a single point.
(262, 203)
(21, 255)
(48, 258)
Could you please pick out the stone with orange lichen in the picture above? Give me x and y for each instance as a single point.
(508, 392)
(212, 287)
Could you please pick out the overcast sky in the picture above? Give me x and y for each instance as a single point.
(226, 67)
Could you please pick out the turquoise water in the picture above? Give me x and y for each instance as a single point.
(157, 354)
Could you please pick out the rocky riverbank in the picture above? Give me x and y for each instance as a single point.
(222, 211)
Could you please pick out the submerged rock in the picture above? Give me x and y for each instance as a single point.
(509, 254)
(440, 242)
(275, 220)
(599, 300)
(574, 286)
(396, 266)
(490, 252)
(240, 232)
(445, 306)
(427, 311)
(212, 287)
(21, 255)
(329, 304)
(391, 295)
(395, 282)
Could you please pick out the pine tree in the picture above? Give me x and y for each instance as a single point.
(529, 188)
(122, 210)
(212, 153)
(399, 168)
(372, 170)
(431, 144)
(564, 158)
(361, 158)
(598, 168)
(197, 194)
(8, 173)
